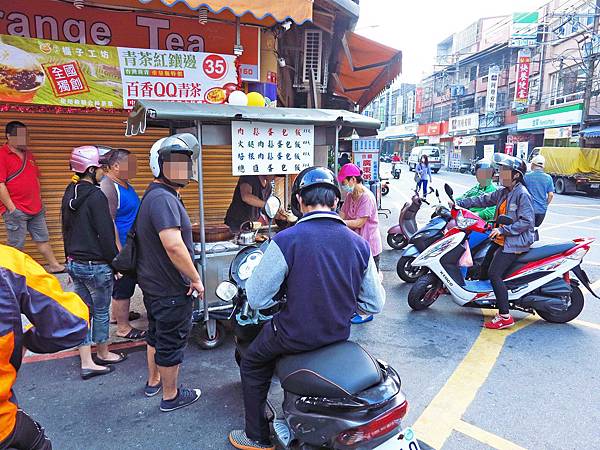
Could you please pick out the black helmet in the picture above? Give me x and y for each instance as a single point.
(483, 164)
(512, 162)
(311, 177)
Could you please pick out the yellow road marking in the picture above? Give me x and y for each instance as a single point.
(484, 436)
(436, 423)
(583, 323)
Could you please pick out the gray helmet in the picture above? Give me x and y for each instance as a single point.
(512, 162)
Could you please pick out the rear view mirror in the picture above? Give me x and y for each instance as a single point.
(504, 220)
(272, 206)
(449, 191)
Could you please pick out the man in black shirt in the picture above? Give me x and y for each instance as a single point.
(249, 198)
(165, 268)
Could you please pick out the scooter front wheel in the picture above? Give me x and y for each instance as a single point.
(397, 241)
(424, 292)
(200, 337)
(385, 190)
(574, 309)
(407, 272)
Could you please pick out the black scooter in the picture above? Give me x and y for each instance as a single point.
(336, 397)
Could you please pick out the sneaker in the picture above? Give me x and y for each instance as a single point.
(151, 391)
(238, 439)
(499, 322)
(358, 319)
(185, 397)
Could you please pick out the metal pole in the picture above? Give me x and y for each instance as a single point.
(201, 210)
(337, 149)
(589, 76)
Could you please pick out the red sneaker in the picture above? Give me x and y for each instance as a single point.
(499, 322)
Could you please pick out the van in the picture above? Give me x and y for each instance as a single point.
(433, 155)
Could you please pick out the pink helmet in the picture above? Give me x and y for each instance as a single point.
(349, 170)
(85, 157)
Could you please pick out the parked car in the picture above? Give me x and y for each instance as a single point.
(433, 154)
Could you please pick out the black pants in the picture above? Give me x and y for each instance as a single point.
(539, 218)
(497, 269)
(27, 435)
(256, 370)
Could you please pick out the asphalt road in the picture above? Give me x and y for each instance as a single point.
(535, 387)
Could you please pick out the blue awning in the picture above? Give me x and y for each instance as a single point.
(592, 132)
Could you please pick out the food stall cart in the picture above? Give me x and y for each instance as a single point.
(312, 132)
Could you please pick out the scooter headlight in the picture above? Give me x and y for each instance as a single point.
(226, 291)
(463, 222)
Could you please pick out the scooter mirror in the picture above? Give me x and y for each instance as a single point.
(226, 291)
(449, 191)
(504, 220)
(272, 205)
(437, 193)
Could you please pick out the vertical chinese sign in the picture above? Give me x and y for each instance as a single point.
(259, 148)
(418, 100)
(491, 98)
(176, 76)
(522, 82)
(365, 153)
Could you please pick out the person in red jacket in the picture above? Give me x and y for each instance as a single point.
(58, 322)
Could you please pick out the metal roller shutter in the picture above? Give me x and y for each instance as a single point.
(53, 136)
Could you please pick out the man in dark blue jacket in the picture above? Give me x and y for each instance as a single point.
(328, 272)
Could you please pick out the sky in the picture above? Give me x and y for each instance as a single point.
(417, 26)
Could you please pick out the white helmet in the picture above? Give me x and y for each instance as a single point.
(539, 161)
(182, 143)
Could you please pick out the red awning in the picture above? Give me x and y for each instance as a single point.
(365, 68)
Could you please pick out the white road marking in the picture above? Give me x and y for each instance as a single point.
(562, 225)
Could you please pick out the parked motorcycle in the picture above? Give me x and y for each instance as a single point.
(337, 397)
(538, 282)
(396, 170)
(385, 186)
(399, 235)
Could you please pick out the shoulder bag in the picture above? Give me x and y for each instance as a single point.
(126, 260)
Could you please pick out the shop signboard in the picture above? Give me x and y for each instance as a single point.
(523, 69)
(429, 129)
(368, 162)
(396, 131)
(524, 29)
(522, 149)
(260, 148)
(551, 118)
(509, 148)
(464, 141)
(488, 151)
(434, 139)
(558, 133)
(492, 90)
(464, 123)
(418, 100)
(175, 76)
(59, 21)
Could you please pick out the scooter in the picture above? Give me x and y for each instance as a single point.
(399, 235)
(337, 397)
(434, 230)
(538, 282)
(396, 170)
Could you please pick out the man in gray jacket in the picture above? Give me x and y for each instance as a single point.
(509, 241)
(327, 272)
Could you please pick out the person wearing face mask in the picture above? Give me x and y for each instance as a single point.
(483, 173)
(166, 272)
(89, 239)
(509, 241)
(359, 212)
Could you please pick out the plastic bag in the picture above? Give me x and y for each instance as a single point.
(466, 260)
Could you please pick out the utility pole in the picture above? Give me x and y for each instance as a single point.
(589, 79)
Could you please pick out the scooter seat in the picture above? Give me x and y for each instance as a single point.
(478, 285)
(337, 371)
(544, 251)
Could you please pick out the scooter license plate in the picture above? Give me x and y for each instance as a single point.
(406, 440)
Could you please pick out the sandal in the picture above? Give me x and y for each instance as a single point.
(134, 334)
(103, 362)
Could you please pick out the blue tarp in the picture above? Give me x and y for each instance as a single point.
(592, 131)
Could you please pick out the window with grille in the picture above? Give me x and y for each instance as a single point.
(313, 44)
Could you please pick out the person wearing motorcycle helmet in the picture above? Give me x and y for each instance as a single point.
(509, 241)
(319, 302)
(166, 272)
(359, 211)
(90, 246)
(484, 173)
(541, 188)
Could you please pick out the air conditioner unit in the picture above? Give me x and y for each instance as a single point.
(313, 56)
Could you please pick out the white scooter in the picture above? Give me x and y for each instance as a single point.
(537, 282)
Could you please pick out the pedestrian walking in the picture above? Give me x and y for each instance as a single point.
(541, 187)
(423, 174)
(165, 268)
(59, 322)
(359, 212)
(20, 195)
(89, 238)
(123, 204)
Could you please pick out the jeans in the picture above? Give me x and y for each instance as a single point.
(422, 182)
(94, 284)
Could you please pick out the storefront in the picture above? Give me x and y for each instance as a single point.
(496, 137)
(436, 133)
(463, 129)
(399, 139)
(552, 127)
(88, 66)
